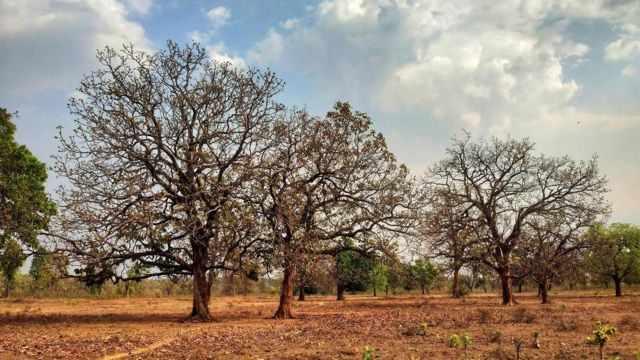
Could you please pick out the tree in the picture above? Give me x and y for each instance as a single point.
(549, 242)
(378, 277)
(450, 233)
(163, 144)
(615, 251)
(504, 184)
(25, 208)
(422, 273)
(352, 272)
(327, 179)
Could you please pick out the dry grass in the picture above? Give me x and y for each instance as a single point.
(324, 328)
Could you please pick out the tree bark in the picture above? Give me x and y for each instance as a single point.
(302, 296)
(543, 288)
(286, 293)
(456, 284)
(422, 287)
(340, 292)
(618, 283)
(5, 292)
(374, 291)
(507, 289)
(201, 286)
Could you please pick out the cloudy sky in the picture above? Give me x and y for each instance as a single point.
(564, 73)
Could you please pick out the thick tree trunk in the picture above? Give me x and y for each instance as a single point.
(201, 286)
(544, 289)
(340, 292)
(507, 289)
(618, 283)
(286, 294)
(302, 296)
(456, 284)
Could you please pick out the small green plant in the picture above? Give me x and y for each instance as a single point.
(536, 338)
(463, 340)
(601, 337)
(613, 357)
(368, 353)
(563, 307)
(637, 354)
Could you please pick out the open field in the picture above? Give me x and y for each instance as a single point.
(324, 328)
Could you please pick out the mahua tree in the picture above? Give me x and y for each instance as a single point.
(163, 143)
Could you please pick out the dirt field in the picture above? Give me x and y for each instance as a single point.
(323, 329)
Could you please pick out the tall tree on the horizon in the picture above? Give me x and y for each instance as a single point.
(505, 184)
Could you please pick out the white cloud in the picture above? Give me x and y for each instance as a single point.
(218, 51)
(219, 16)
(139, 6)
(629, 71)
(290, 24)
(623, 49)
(48, 44)
(437, 66)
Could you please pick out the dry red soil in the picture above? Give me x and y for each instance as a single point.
(323, 328)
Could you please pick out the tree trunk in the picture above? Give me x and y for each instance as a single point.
(422, 288)
(386, 290)
(201, 286)
(286, 293)
(374, 291)
(505, 280)
(544, 289)
(340, 292)
(302, 296)
(5, 293)
(456, 284)
(618, 283)
(519, 287)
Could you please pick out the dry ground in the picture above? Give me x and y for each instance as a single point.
(324, 328)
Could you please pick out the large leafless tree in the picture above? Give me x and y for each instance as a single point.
(505, 183)
(163, 143)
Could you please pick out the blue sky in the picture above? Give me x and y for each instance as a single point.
(562, 72)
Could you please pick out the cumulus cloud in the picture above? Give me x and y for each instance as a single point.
(438, 66)
(219, 16)
(48, 44)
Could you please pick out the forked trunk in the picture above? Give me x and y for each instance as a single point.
(201, 286)
(286, 293)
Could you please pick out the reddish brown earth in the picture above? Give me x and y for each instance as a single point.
(324, 328)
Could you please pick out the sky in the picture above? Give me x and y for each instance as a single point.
(564, 73)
